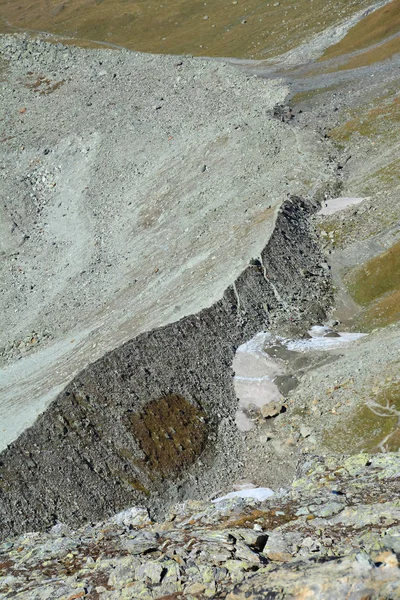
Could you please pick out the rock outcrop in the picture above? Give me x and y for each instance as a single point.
(334, 534)
(107, 441)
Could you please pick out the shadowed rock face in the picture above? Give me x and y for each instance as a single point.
(90, 453)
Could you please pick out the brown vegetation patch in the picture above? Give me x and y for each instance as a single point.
(171, 432)
(374, 28)
(44, 86)
(251, 29)
(268, 519)
(377, 277)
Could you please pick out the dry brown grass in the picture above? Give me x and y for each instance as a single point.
(248, 29)
(171, 432)
(374, 55)
(381, 313)
(380, 123)
(377, 277)
(375, 28)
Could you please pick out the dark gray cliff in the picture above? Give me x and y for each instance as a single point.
(152, 421)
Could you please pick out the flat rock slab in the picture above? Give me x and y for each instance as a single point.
(135, 189)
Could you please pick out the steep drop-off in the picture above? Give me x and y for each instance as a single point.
(104, 443)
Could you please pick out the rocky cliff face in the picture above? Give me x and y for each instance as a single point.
(335, 533)
(132, 426)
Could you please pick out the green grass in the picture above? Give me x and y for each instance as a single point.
(364, 430)
(376, 278)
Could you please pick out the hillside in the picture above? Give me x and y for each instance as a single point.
(201, 292)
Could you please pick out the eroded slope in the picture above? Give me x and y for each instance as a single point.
(135, 190)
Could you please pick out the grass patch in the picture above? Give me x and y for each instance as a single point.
(374, 55)
(376, 278)
(251, 29)
(364, 430)
(381, 313)
(171, 432)
(371, 30)
(310, 94)
(380, 122)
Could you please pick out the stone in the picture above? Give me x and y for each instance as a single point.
(286, 383)
(141, 543)
(124, 573)
(305, 431)
(332, 322)
(149, 571)
(332, 334)
(244, 553)
(195, 588)
(272, 409)
(310, 544)
(387, 558)
(237, 569)
(278, 556)
(218, 547)
(326, 510)
(279, 447)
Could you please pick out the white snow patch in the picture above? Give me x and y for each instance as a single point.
(256, 493)
(256, 344)
(254, 374)
(334, 205)
(322, 343)
(255, 370)
(131, 516)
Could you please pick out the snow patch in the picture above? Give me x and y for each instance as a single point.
(334, 205)
(131, 516)
(322, 343)
(255, 493)
(255, 370)
(254, 375)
